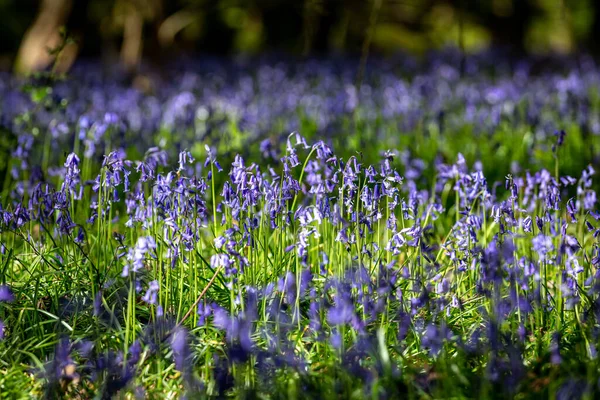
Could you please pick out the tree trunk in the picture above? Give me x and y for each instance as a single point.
(33, 54)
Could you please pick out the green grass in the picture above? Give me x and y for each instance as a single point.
(55, 279)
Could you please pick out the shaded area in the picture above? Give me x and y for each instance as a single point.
(130, 30)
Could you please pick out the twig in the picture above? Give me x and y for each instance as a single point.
(186, 316)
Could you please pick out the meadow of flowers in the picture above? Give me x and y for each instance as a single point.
(268, 229)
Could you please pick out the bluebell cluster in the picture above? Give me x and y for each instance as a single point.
(308, 268)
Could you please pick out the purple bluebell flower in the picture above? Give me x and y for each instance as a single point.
(6, 294)
(560, 139)
(137, 255)
(542, 245)
(527, 224)
(181, 348)
(151, 293)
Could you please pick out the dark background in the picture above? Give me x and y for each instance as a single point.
(127, 31)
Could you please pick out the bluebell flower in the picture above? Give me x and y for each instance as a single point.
(151, 293)
(181, 348)
(6, 294)
(542, 245)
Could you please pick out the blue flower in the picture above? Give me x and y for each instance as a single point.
(6, 294)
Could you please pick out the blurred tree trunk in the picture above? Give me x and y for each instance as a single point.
(33, 54)
(133, 26)
(140, 21)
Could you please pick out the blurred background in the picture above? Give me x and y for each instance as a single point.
(127, 31)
